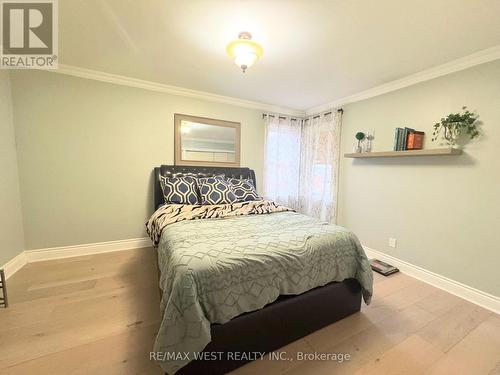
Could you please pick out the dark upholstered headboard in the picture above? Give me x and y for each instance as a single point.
(166, 170)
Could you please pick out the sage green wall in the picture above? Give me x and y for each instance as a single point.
(443, 211)
(11, 224)
(86, 152)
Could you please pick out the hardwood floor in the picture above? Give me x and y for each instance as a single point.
(99, 314)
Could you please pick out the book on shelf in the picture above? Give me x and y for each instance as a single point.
(398, 134)
(395, 148)
(401, 139)
(406, 133)
(408, 139)
(415, 140)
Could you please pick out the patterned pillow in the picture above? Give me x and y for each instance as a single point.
(180, 190)
(216, 190)
(244, 190)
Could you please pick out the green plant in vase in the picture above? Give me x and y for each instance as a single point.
(359, 136)
(455, 125)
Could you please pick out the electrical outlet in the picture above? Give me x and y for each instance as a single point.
(392, 242)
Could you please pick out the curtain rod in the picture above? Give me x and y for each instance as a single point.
(340, 110)
(280, 117)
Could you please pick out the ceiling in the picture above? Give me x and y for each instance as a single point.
(315, 51)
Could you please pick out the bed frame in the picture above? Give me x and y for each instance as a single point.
(277, 324)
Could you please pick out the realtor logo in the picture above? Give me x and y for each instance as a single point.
(29, 34)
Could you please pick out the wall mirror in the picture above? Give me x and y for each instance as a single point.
(204, 141)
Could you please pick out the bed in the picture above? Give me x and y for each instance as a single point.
(249, 281)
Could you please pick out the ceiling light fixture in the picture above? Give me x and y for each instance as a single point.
(244, 51)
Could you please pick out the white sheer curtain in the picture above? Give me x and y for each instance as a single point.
(301, 163)
(282, 159)
(319, 163)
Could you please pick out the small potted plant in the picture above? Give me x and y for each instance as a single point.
(455, 125)
(359, 136)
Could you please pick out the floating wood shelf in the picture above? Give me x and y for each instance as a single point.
(395, 154)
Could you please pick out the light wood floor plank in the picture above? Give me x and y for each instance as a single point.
(124, 353)
(411, 357)
(447, 330)
(98, 314)
(368, 344)
(270, 366)
(477, 353)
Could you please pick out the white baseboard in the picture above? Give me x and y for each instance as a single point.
(14, 265)
(87, 249)
(478, 297)
(39, 255)
(483, 299)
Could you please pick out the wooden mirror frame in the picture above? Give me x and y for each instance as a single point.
(178, 118)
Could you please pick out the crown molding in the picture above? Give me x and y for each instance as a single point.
(453, 66)
(173, 90)
(462, 63)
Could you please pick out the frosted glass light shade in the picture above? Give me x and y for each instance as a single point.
(244, 51)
